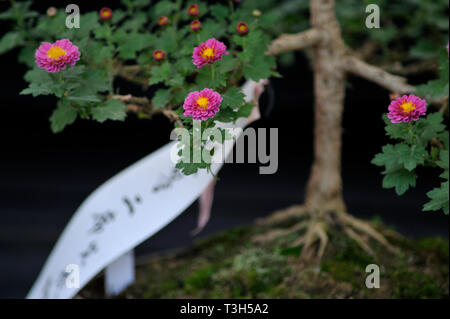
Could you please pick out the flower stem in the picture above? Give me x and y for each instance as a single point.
(230, 3)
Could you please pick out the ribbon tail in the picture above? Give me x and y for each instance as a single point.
(205, 204)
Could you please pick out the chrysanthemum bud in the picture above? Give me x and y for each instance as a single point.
(106, 14)
(193, 10)
(196, 25)
(394, 96)
(257, 13)
(52, 11)
(159, 55)
(242, 28)
(162, 21)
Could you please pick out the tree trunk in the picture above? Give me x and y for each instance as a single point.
(324, 189)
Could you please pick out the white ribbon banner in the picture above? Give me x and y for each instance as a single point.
(129, 208)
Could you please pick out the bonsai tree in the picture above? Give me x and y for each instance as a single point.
(176, 50)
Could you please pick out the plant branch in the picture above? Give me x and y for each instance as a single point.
(143, 105)
(291, 42)
(375, 74)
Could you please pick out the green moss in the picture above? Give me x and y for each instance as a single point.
(414, 285)
(223, 239)
(347, 261)
(252, 272)
(199, 279)
(438, 245)
(345, 271)
(290, 251)
(355, 255)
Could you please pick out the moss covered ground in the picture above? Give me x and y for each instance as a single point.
(230, 265)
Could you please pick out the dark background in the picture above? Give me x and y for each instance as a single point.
(44, 177)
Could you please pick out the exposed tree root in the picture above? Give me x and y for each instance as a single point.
(283, 215)
(312, 231)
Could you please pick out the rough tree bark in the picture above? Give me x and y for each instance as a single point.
(324, 189)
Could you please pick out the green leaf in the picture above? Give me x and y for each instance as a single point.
(444, 164)
(175, 80)
(429, 127)
(407, 156)
(226, 115)
(187, 168)
(35, 89)
(204, 79)
(227, 64)
(161, 99)
(411, 156)
(259, 68)
(190, 168)
(41, 83)
(245, 110)
(233, 98)
(6, 15)
(401, 180)
(130, 43)
(62, 116)
(102, 54)
(219, 11)
(160, 73)
(212, 29)
(439, 199)
(434, 89)
(424, 49)
(11, 40)
(26, 56)
(164, 8)
(102, 32)
(395, 130)
(94, 81)
(111, 110)
(388, 157)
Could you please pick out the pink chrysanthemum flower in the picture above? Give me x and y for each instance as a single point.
(406, 109)
(202, 105)
(55, 57)
(208, 52)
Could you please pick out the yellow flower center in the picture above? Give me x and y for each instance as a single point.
(106, 14)
(242, 27)
(56, 52)
(208, 53)
(407, 107)
(202, 102)
(158, 55)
